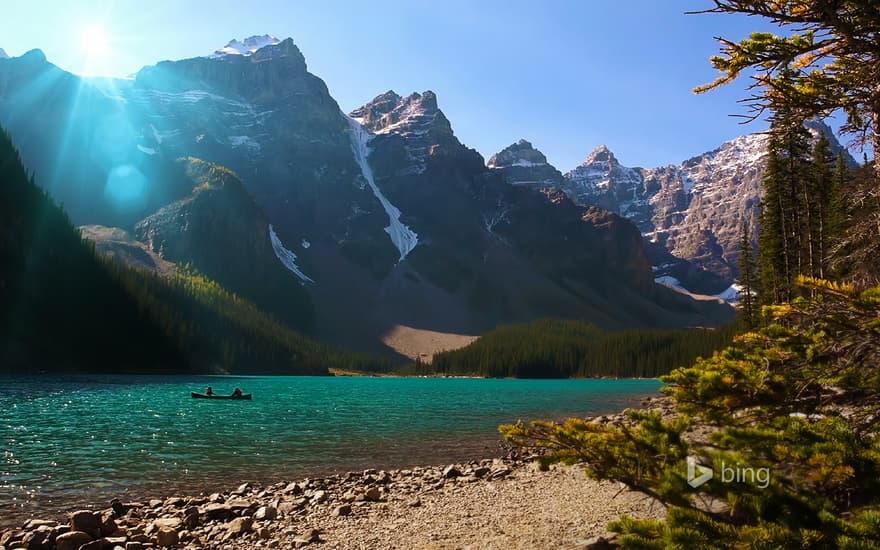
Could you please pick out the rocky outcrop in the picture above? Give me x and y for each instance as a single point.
(124, 248)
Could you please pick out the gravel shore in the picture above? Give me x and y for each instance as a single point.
(501, 503)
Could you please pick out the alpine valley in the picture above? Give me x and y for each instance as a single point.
(242, 166)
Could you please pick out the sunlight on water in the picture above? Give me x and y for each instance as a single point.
(91, 438)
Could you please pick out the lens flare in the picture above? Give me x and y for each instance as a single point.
(126, 187)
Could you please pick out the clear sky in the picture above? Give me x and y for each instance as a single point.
(568, 75)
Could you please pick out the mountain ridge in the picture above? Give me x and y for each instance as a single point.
(480, 252)
(690, 213)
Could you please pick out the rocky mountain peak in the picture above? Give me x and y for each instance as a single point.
(246, 47)
(521, 153)
(521, 164)
(602, 154)
(267, 73)
(285, 49)
(416, 114)
(381, 105)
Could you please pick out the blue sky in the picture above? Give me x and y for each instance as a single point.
(566, 75)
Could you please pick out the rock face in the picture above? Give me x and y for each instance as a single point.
(219, 229)
(690, 214)
(260, 76)
(389, 217)
(415, 118)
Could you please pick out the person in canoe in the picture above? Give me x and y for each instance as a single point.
(209, 391)
(236, 392)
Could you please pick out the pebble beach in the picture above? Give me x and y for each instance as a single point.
(496, 503)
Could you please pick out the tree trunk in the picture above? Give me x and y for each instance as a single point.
(876, 140)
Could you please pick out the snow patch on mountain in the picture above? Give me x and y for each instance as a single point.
(731, 293)
(670, 281)
(146, 150)
(3, 54)
(246, 47)
(404, 238)
(286, 256)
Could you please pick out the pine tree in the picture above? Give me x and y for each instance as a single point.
(747, 277)
(825, 61)
(836, 215)
(786, 244)
(774, 277)
(820, 202)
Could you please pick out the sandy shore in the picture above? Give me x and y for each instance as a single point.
(501, 503)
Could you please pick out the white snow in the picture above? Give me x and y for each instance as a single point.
(528, 164)
(669, 281)
(147, 150)
(404, 239)
(731, 293)
(305, 243)
(286, 257)
(247, 47)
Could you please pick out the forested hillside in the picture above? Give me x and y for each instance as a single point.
(562, 349)
(65, 308)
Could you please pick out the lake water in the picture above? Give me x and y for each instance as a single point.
(82, 440)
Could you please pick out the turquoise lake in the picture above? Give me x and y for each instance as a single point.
(85, 439)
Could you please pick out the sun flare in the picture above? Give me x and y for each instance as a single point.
(93, 40)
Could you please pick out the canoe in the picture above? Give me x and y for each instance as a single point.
(215, 396)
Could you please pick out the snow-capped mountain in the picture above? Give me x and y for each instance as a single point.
(383, 217)
(246, 47)
(416, 118)
(690, 214)
(693, 210)
(3, 54)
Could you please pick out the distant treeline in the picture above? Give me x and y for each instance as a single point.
(66, 308)
(564, 349)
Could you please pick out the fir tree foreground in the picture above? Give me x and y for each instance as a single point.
(786, 418)
(797, 399)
